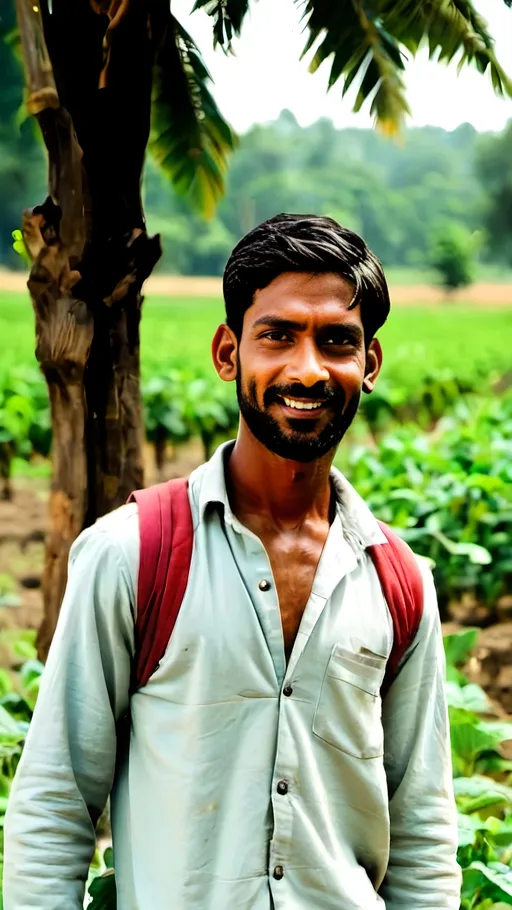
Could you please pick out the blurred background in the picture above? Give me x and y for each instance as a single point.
(431, 450)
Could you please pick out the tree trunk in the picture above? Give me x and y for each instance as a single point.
(160, 445)
(91, 255)
(6, 456)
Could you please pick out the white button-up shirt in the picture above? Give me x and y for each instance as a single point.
(246, 784)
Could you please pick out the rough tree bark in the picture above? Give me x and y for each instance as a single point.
(88, 72)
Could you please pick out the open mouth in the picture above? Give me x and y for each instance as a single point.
(297, 408)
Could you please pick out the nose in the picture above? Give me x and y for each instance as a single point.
(306, 366)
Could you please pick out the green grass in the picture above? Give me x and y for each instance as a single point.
(173, 331)
(456, 337)
(179, 331)
(404, 275)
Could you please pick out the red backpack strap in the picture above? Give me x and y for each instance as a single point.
(166, 538)
(402, 586)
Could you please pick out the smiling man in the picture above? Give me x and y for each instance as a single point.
(288, 746)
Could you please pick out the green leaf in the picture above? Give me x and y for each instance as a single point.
(361, 49)
(458, 646)
(470, 738)
(190, 139)
(9, 727)
(479, 785)
(477, 554)
(5, 682)
(20, 248)
(24, 647)
(228, 16)
(365, 44)
(455, 676)
(30, 671)
(492, 883)
(498, 728)
(103, 892)
(470, 697)
(467, 829)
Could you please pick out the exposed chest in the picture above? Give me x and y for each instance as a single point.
(294, 563)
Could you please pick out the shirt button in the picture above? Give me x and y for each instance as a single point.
(287, 691)
(278, 873)
(282, 788)
(264, 585)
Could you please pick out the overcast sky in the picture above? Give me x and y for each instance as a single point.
(266, 75)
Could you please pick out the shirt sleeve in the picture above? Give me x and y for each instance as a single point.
(423, 870)
(67, 767)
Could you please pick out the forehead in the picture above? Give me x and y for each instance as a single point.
(305, 295)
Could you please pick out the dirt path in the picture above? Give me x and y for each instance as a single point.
(483, 294)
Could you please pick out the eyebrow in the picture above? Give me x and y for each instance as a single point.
(292, 325)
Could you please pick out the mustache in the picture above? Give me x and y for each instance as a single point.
(318, 392)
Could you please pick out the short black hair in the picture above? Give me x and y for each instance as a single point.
(304, 243)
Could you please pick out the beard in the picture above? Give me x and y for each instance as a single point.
(301, 441)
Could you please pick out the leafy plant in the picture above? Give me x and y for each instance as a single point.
(20, 248)
(17, 701)
(8, 596)
(179, 405)
(164, 413)
(101, 886)
(453, 255)
(484, 803)
(25, 426)
(449, 494)
(209, 412)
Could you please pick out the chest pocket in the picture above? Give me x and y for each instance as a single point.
(348, 715)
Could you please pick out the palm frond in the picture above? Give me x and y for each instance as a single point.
(360, 49)
(366, 40)
(190, 139)
(228, 16)
(452, 29)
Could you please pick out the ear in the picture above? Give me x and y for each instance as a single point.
(224, 351)
(373, 365)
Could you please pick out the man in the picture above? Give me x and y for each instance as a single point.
(264, 769)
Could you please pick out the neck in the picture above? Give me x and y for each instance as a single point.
(280, 492)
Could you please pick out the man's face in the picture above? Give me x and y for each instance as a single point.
(301, 364)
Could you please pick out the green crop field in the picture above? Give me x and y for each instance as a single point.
(178, 332)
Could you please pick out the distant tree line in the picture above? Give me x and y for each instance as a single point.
(401, 196)
(398, 195)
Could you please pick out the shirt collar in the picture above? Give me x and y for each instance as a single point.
(360, 527)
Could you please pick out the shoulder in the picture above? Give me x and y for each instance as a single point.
(114, 540)
(430, 607)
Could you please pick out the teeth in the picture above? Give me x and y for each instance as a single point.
(302, 405)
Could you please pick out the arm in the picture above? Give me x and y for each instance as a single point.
(423, 871)
(67, 768)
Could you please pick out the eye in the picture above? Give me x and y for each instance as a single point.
(276, 335)
(339, 340)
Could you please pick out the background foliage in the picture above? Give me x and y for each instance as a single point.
(399, 196)
(431, 451)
